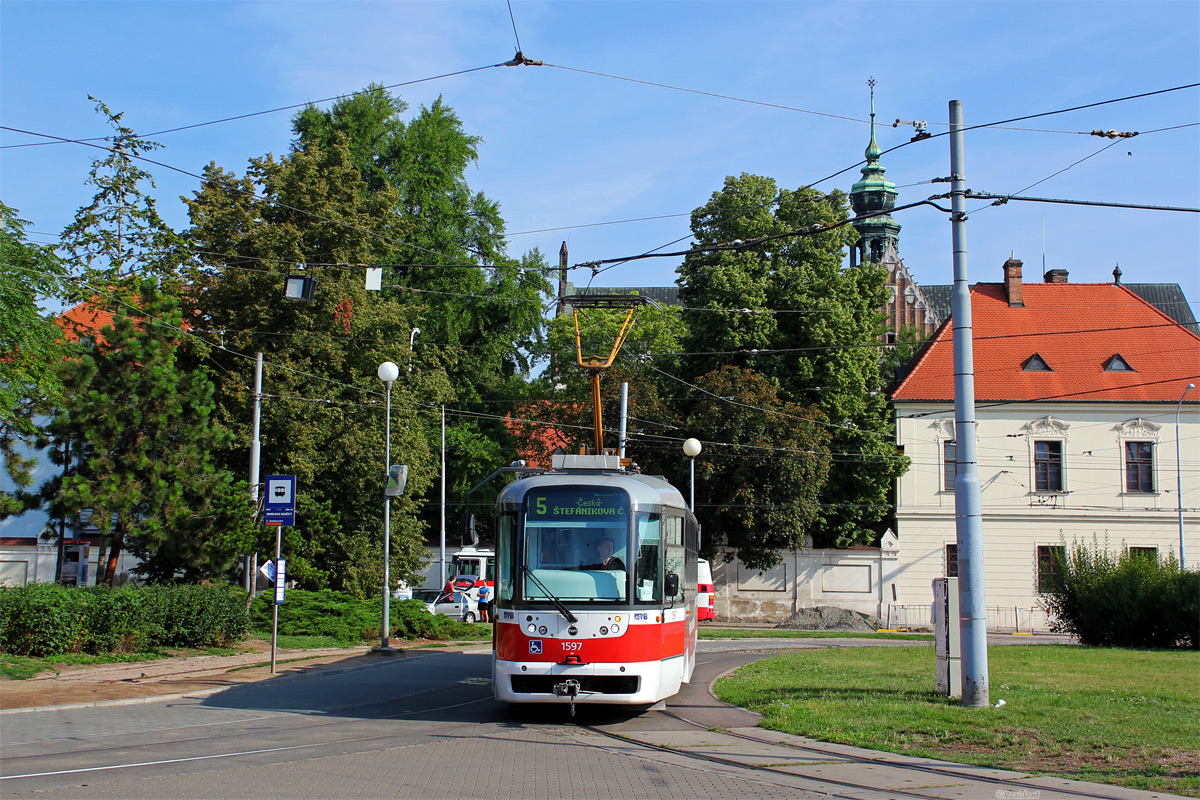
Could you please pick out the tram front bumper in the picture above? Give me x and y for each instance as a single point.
(545, 682)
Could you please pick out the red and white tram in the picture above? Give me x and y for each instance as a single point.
(595, 586)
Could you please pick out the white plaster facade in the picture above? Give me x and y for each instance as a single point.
(1094, 500)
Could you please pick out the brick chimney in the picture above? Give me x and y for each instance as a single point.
(1055, 276)
(1012, 282)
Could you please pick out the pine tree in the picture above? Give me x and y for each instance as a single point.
(141, 435)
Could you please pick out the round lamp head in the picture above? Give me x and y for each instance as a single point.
(691, 448)
(388, 372)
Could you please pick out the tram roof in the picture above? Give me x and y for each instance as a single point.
(642, 489)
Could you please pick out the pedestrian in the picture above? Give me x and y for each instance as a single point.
(484, 602)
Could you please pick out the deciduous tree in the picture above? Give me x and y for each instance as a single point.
(323, 406)
(761, 475)
(820, 322)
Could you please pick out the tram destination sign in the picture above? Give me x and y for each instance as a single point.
(577, 504)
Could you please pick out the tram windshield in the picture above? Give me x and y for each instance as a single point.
(576, 544)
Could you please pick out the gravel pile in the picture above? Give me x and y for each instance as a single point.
(829, 618)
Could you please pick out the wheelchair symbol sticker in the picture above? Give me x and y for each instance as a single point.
(535, 647)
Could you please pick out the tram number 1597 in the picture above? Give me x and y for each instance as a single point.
(568, 646)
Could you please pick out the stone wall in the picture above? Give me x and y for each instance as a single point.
(860, 580)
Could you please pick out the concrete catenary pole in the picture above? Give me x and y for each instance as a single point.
(968, 506)
(251, 563)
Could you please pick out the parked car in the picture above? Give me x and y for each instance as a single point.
(450, 604)
(427, 596)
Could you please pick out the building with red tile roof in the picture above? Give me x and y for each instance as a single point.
(1077, 391)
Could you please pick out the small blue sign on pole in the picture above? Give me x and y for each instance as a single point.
(279, 507)
(280, 578)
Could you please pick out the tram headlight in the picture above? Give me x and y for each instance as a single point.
(542, 630)
(532, 628)
(603, 630)
(615, 629)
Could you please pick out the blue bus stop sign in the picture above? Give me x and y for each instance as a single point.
(279, 506)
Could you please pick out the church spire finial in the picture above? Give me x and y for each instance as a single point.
(873, 150)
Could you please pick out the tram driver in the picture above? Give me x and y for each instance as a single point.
(604, 549)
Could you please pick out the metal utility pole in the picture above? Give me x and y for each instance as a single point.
(624, 418)
(387, 372)
(968, 506)
(251, 563)
(442, 575)
(278, 597)
(1179, 475)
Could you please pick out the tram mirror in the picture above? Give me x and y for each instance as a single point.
(470, 537)
(671, 584)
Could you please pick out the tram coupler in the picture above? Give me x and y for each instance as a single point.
(568, 688)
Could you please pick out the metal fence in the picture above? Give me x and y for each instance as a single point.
(1001, 619)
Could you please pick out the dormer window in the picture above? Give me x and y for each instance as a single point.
(1117, 364)
(1035, 363)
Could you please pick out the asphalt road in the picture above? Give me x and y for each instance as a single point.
(427, 726)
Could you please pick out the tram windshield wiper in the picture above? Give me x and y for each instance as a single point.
(558, 604)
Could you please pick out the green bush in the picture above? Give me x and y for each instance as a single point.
(411, 620)
(195, 615)
(40, 619)
(1124, 600)
(352, 621)
(114, 620)
(46, 619)
(320, 613)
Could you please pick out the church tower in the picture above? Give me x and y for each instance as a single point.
(878, 238)
(873, 193)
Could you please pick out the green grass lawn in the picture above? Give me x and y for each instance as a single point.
(785, 633)
(1125, 717)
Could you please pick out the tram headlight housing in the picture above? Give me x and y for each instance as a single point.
(532, 628)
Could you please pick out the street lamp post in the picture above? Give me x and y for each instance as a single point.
(1179, 472)
(691, 449)
(411, 337)
(388, 372)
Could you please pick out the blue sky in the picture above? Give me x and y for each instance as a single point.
(566, 148)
